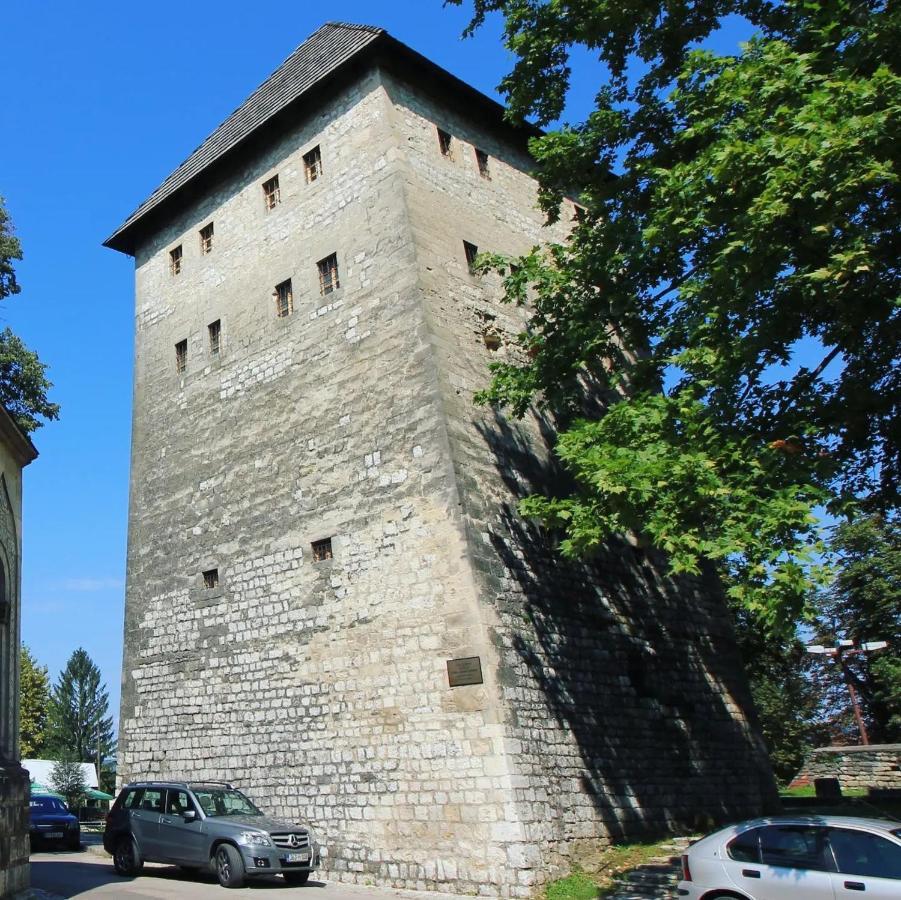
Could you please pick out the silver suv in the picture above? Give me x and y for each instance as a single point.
(205, 825)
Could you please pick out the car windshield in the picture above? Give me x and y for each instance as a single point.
(47, 805)
(224, 802)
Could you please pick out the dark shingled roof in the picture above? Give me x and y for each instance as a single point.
(321, 53)
(335, 46)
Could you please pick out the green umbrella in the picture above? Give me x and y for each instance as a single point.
(91, 794)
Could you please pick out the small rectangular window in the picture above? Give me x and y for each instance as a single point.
(175, 260)
(181, 356)
(215, 329)
(211, 578)
(482, 160)
(328, 274)
(312, 164)
(471, 251)
(206, 238)
(284, 299)
(444, 142)
(322, 550)
(271, 192)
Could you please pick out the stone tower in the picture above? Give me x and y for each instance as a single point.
(331, 600)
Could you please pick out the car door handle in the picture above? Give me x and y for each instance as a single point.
(855, 886)
(165, 821)
(750, 873)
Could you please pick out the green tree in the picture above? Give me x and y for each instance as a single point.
(67, 778)
(787, 700)
(864, 604)
(80, 726)
(731, 297)
(34, 703)
(23, 379)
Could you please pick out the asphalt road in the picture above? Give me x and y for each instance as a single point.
(87, 874)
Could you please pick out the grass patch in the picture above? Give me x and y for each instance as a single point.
(808, 790)
(577, 886)
(592, 877)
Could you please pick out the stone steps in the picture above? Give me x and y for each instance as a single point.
(653, 880)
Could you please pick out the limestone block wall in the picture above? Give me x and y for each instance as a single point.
(857, 768)
(625, 706)
(320, 687)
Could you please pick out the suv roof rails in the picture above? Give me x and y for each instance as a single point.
(179, 783)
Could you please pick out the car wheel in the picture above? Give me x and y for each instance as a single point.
(296, 877)
(229, 867)
(74, 843)
(125, 860)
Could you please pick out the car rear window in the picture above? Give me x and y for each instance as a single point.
(745, 847)
(795, 847)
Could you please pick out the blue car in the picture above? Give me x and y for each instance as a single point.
(51, 822)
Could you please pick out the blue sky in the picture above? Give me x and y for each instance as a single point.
(99, 101)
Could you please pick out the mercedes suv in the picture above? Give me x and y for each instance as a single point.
(205, 825)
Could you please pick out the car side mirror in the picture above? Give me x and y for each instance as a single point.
(189, 815)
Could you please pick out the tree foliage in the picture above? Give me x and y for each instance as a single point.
(786, 699)
(23, 377)
(80, 725)
(34, 703)
(732, 294)
(67, 778)
(864, 604)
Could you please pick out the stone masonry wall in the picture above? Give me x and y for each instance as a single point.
(625, 705)
(319, 687)
(857, 768)
(612, 702)
(14, 791)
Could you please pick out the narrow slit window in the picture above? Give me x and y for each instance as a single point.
(215, 329)
(271, 192)
(211, 578)
(328, 274)
(482, 161)
(181, 356)
(445, 143)
(175, 260)
(322, 550)
(284, 299)
(206, 238)
(471, 251)
(312, 164)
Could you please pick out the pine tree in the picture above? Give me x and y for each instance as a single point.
(79, 707)
(34, 704)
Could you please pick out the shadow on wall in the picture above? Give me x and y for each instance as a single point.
(624, 684)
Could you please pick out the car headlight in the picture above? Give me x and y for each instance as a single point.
(254, 839)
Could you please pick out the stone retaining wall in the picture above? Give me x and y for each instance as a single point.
(874, 766)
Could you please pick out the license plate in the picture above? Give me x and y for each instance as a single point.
(297, 857)
(53, 834)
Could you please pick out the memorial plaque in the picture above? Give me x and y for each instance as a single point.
(464, 671)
